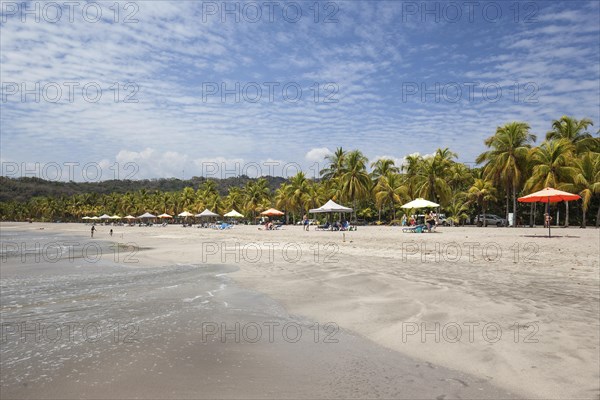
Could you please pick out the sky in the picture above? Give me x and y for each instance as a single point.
(150, 89)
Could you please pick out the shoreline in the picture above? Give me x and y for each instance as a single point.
(384, 285)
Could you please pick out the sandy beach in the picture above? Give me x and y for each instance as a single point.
(464, 312)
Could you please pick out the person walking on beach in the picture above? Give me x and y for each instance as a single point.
(111, 232)
(305, 222)
(93, 229)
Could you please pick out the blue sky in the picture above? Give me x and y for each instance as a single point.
(390, 78)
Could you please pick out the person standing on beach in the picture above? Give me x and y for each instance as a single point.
(305, 222)
(93, 229)
(111, 232)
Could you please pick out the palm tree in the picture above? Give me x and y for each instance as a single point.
(460, 177)
(552, 167)
(507, 159)
(431, 181)
(410, 167)
(383, 167)
(257, 194)
(283, 199)
(354, 179)
(458, 209)
(586, 180)
(575, 132)
(300, 192)
(187, 198)
(235, 198)
(482, 192)
(389, 190)
(337, 160)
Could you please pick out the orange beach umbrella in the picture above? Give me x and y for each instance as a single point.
(271, 212)
(549, 195)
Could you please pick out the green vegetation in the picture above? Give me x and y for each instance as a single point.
(568, 159)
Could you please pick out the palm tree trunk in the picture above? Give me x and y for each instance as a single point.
(598, 218)
(567, 214)
(531, 215)
(583, 220)
(484, 218)
(507, 202)
(514, 193)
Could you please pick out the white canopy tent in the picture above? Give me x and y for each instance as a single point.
(207, 213)
(104, 216)
(330, 207)
(147, 215)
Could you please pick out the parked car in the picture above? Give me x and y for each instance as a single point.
(442, 220)
(491, 219)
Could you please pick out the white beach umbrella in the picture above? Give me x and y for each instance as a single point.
(185, 214)
(86, 217)
(115, 217)
(95, 218)
(104, 216)
(165, 215)
(129, 217)
(207, 213)
(420, 203)
(233, 214)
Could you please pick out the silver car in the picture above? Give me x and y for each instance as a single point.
(491, 219)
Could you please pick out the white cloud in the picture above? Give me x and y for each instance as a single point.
(317, 154)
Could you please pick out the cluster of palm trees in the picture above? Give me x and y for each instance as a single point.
(568, 159)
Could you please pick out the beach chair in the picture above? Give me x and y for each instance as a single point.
(414, 229)
(322, 227)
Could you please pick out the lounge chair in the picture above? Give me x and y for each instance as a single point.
(414, 229)
(322, 227)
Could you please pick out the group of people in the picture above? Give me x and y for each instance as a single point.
(430, 220)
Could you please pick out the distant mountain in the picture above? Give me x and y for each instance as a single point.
(23, 189)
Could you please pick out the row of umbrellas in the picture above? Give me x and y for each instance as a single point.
(205, 213)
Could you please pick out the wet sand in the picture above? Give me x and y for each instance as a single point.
(176, 305)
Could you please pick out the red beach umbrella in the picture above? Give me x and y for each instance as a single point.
(549, 195)
(271, 212)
